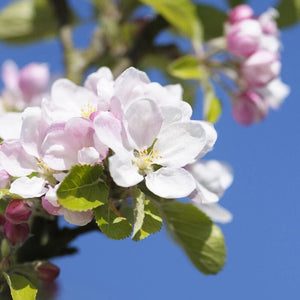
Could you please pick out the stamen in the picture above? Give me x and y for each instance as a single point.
(87, 110)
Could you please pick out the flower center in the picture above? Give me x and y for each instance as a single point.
(87, 110)
(45, 171)
(145, 159)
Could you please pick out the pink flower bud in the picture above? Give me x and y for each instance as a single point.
(17, 211)
(243, 38)
(260, 68)
(4, 179)
(48, 271)
(239, 13)
(249, 107)
(33, 79)
(16, 233)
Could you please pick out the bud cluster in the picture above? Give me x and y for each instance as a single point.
(254, 43)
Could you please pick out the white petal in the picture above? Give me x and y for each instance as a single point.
(212, 177)
(211, 137)
(144, 121)
(33, 130)
(109, 131)
(10, 125)
(123, 172)
(10, 74)
(203, 195)
(88, 155)
(216, 212)
(15, 160)
(170, 182)
(28, 187)
(180, 143)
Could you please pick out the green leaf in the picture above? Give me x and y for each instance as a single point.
(147, 217)
(214, 110)
(289, 13)
(111, 222)
(139, 213)
(186, 67)
(83, 189)
(27, 21)
(200, 238)
(181, 14)
(212, 20)
(234, 3)
(212, 105)
(20, 287)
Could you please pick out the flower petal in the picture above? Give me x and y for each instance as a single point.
(170, 182)
(123, 172)
(216, 212)
(15, 160)
(180, 143)
(28, 187)
(144, 121)
(10, 125)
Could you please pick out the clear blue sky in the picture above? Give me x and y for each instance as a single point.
(263, 240)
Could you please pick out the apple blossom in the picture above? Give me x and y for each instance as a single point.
(151, 145)
(25, 87)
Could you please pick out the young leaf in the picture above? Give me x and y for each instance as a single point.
(26, 21)
(289, 13)
(112, 223)
(181, 14)
(214, 110)
(200, 238)
(147, 218)
(20, 287)
(82, 189)
(186, 67)
(212, 105)
(139, 211)
(212, 20)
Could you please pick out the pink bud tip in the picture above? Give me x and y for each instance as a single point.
(17, 211)
(16, 233)
(239, 13)
(48, 271)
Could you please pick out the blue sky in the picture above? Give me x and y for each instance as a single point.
(263, 240)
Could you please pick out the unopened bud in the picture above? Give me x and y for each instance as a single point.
(260, 68)
(47, 271)
(34, 79)
(239, 13)
(17, 211)
(16, 233)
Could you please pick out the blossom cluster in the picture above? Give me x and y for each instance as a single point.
(254, 43)
(137, 129)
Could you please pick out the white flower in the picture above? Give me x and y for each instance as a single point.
(155, 152)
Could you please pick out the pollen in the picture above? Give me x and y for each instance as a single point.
(87, 110)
